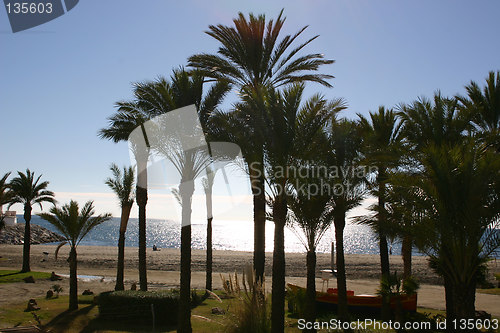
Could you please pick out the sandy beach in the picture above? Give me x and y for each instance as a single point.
(163, 271)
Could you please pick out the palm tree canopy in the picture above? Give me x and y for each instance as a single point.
(251, 54)
(122, 184)
(484, 104)
(74, 224)
(344, 155)
(312, 214)
(460, 193)
(28, 190)
(439, 121)
(382, 137)
(5, 193)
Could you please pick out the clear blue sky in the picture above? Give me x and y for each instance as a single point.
(59, 81)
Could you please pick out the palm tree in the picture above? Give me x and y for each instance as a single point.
(292, 132)
(128, 117)
(28, 191)
(437, 121)
(5, 196)
(74, 225)
(122, 184)
(208, 183)
(347, 191)
(252, 55)
(171, 130)
(484, 106)
(460, 192)
(382, 145)
(313, 215)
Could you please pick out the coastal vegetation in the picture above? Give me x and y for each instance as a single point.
(74, 224)
(432, 167)
(27, 190)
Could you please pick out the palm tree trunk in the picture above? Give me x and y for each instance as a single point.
(259, 218)
(465, 296)
(383, 247)
(142, 199)
(186, 190)
(208, 284)
(310, 314)
(339, 222)
(406, 248)
(73, 282)
(121, 247)
(27, 239)
(278, 280)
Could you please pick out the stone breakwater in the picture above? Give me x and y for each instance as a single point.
(39, 235)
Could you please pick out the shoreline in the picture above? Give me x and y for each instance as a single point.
(358, 266)
(94, 257)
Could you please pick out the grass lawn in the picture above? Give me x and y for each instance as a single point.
(491, 291)
(53, 316)
(9, 276)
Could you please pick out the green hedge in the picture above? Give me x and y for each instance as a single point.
(134, 306)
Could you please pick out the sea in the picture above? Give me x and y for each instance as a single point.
(229, 235)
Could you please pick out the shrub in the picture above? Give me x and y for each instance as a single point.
(296, 302)
(136, 306)
(249, 311)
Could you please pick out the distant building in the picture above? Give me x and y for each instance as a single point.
(10, 218)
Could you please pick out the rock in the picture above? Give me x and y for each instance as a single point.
(133, 287)
(32, 305)
(218, 311)
(29, 279)
(87, 292)
(55, 277)
(483, 315)
(15, 235)
(49, 294)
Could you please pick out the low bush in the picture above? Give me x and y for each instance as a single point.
(138, 306)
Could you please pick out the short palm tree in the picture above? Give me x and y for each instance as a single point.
(460, 193)
(5, 195)
(28, 190)
(347, 187)
(123, 186)
(313, 216)
(251, 55)
(382, 149)
(74, 225)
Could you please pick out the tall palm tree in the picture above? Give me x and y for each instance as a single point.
(208, 184)
(382, 149)
(28, 191)
(74, 225)
(347, 191)
(129, 116)
(123, 186)
(184, 89)
(313, 215)
(252, 55)
(293, 130)
(484, 106)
